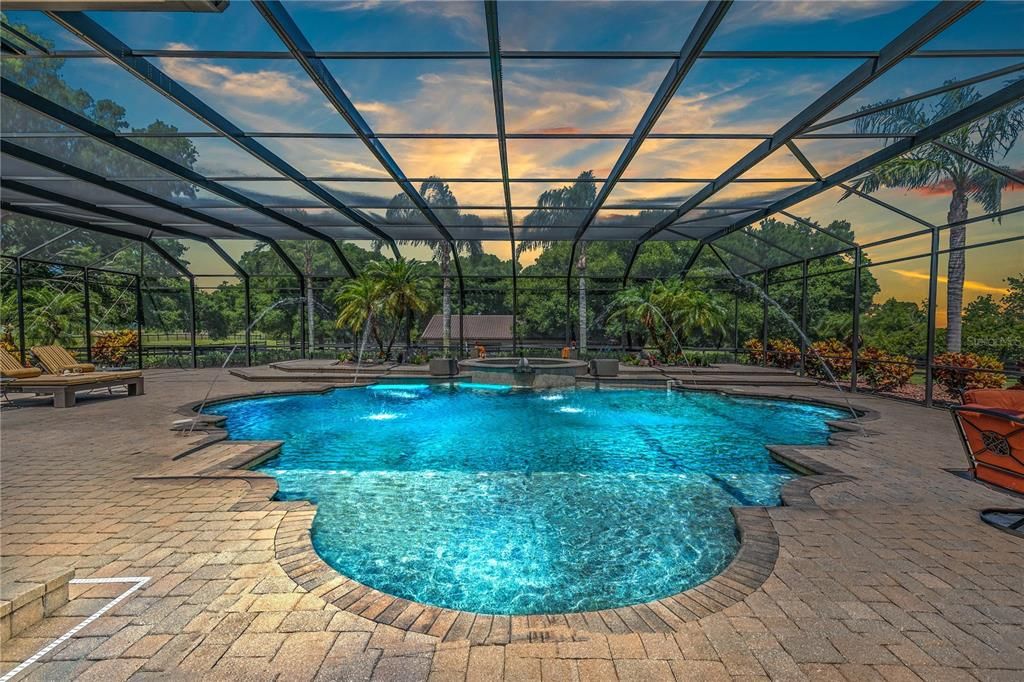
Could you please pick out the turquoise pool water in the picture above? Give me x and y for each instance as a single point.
(517, 502)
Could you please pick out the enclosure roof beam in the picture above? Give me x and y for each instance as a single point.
(722, 260)
(38, 247)
(494, 52)
(712, 15)
(278, 18)
(102, 229)
(820, 230)
(69, 118)
(201, 134)
(691, 260)
(107, 256)
(887, 206)
(1009, 174)
(892, 104)
(27, 39)
(804, 161)
(92, 33)
(56, 198)
(983, 107)
(163, 253)
(537, 54)
(920, 32)
(77, 173)
(772, 245)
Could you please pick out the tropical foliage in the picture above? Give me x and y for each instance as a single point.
(932, 166)
(830, 355)
(112, 348)
(882, 370)
(958, 372)
(381, 301)
(667, 314)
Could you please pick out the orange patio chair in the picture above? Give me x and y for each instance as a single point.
(991, 426)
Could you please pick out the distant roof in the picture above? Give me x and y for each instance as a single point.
(477, 327)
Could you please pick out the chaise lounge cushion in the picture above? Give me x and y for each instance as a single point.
(77, 379)
(996, 398)
(58, 359)
(21, 373)
(10, 368)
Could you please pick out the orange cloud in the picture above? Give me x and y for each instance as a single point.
(265, 84)
(969, 285)
(945, 187)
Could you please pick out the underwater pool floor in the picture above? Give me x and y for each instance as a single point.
(486, 499)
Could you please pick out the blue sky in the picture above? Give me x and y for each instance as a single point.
(418, 96)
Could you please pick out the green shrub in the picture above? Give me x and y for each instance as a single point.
(687, 359)
(882, 370)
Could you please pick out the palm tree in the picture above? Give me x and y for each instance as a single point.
(555, 208)
(359, 306)
(445, 206)
(702, 313)
(934, 167)
(668, 311)
(403, 289)
(54, 314)
(630, 312)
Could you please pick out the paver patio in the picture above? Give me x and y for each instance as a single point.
(889, 575)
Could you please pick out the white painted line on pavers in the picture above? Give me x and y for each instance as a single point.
(137, 583)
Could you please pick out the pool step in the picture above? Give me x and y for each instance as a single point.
(222, 456)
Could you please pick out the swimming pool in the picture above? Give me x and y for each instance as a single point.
(506, 501)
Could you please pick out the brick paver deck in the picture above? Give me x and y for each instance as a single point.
(885, 573)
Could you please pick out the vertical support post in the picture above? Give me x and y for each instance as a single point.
(246, 296)
(736, 325)
(21, 308)
(803, 319)
(88, 315)
(568, 310)
(855, 340)
(933, 290)
(139, 317)
(764, 319)
(302, 324)
(192, 308)
(462, 316)
(515, 301)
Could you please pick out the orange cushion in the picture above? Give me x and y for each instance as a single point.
(996, 398)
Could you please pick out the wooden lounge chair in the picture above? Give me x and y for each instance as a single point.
(64, 387)
(10, 368)
(57, 360)
(991, 427)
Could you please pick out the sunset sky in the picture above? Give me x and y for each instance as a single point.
(719, 95)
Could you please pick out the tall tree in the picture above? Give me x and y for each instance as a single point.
(564, 207)
(445, 206)
(933, 167)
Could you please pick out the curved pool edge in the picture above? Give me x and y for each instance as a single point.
(749, 568)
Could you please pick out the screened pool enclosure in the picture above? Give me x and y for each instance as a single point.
(827, 183)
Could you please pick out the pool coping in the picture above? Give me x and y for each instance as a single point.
(749, 569)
